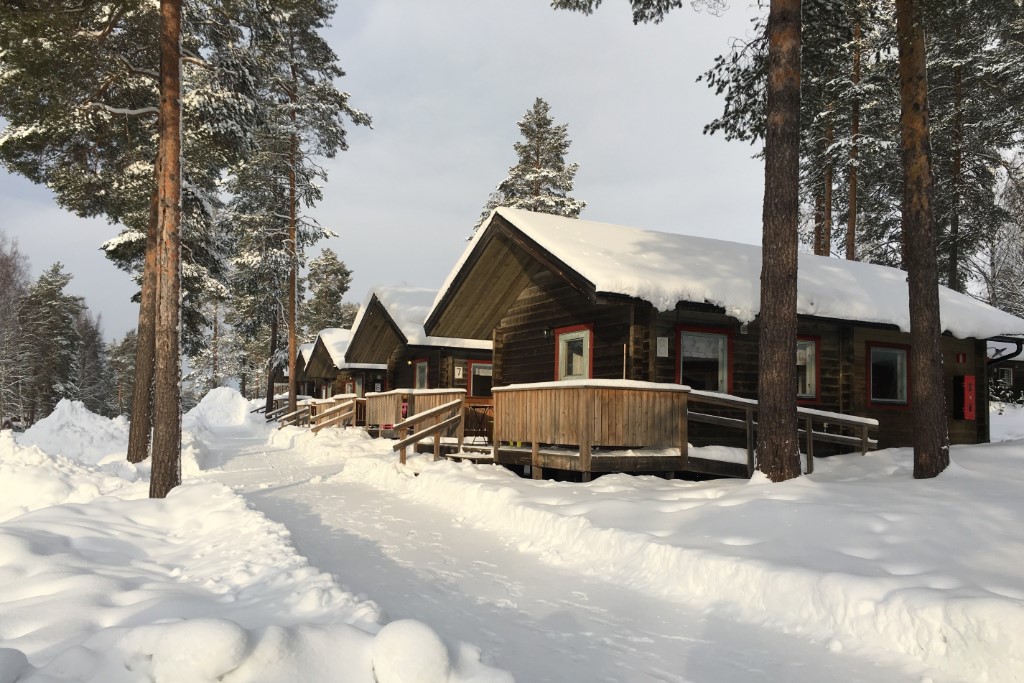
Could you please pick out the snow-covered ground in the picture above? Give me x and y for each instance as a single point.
(284, 556)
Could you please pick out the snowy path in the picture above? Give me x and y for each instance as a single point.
(540, 622)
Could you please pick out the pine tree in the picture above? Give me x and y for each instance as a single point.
(328, 281)
(302, 117)
(49, 341)
(540, 181)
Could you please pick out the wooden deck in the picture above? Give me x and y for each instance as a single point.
(622, 426)
(556, 425)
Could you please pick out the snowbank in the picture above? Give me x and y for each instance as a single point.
(852, 555)
(222, 407)
(103, 585)
(74, 432)
(1007, 421)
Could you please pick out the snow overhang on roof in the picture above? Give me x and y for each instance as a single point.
(666, 268)
(407, 308)
(336, 341)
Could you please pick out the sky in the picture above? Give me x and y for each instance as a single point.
(445, 83)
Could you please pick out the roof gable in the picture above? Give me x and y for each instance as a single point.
(665, 269)
(392, 315)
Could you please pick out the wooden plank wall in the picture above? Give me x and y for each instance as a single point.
(896, 422)
(570, 416)
(527, 355)
(441, 361)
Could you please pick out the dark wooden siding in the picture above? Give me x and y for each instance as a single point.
(440, 365)
(896, 423)
(526, 343)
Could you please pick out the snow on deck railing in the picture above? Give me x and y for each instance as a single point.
(597, 384)
(415, 392)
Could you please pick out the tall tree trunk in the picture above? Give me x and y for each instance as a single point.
(293, 277)
(819, 220)
(166, 466)
(931, 436)
(826, 228)
(956, 181)
(778, 452)
(272, 370)
(851, 221)
(142, 393)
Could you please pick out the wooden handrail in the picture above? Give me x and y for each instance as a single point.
(452, 408)
(808, 416)
(276, 412)
(427, 414)
(299, 416)
(424, 433)
(333, 415)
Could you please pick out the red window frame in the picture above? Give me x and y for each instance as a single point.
(728, 333)
(885, 405)
(816, 399)
(469, 371)
(559, 331)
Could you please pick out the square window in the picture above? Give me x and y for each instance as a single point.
(888, 375)
(574, 354)
(1004, 376)
(704, 360)
(806, 368)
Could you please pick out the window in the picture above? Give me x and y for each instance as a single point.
(1004, 376)
(572, 352)
(704, 360)
(480, 378)
(806, 368)
(888, 373)
(420, 367)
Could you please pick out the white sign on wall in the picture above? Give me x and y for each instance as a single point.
(662, 347)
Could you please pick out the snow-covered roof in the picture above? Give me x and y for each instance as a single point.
(408, 308)
(336, 341)
(305, 350)
(666, 268)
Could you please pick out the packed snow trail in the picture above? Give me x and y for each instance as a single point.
(540, 622)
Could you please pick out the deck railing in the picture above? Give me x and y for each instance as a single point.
(584, 414)
(433, 422)
(814, 424)
(341, 409)
(385, 409)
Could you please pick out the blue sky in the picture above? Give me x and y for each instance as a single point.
(446, 82)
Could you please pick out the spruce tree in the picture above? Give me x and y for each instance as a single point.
(328, 280)
(540, 180)
(90, 378)
(121, 364)
(49, 341)
(13, 362)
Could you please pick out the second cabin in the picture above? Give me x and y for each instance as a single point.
(388, 333)
(567, 299)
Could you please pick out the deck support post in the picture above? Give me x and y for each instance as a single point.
(536, 471)
(810, 446)
(437, 446)
(586, 432)
(750, 442)
(684, 433)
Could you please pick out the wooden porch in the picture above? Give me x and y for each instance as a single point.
(599, 426)
(635, 427)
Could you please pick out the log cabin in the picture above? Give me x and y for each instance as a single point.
(388, 332)
(328, 372)
(569, 299)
